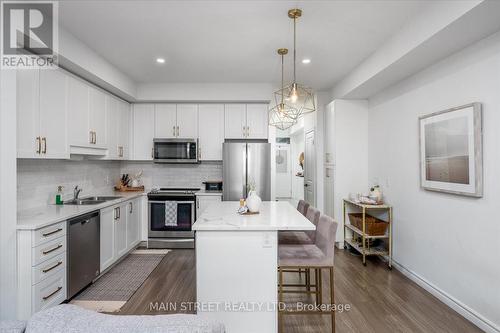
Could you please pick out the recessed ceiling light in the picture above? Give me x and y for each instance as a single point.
(306, 61)
(160, 60)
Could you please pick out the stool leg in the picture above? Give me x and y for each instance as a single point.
(332, 298)
(308, 279)
(320, 286)
(316, 281)
(280, 300)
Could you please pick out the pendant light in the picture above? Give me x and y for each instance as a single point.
(300, 97)
(282, 115)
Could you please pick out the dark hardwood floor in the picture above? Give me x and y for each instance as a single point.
(381, 300)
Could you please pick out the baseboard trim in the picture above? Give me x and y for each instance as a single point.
(462, 309)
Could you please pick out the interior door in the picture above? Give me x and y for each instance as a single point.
(53, 113)
(165, 121)
(259, 169)
(257, 121)
(234, 171)
(28, 121)
(211, 130)
(97, 116)
(235, 121)
(187, 121)
(309, 169)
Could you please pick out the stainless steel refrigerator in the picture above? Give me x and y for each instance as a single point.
(246, 163)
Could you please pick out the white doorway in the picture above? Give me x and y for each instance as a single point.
(283, 171)
(309, 169)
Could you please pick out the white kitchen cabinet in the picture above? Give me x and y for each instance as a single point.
(211, 131)
(143, 123)
(246, 121)
(257, 121)
(203, 201)
(120, 230)
(123, 129)
(235, 119)
(187, 121)
(97, 116)
(42, 113)
(28, 115)
(107, 222)
(133, 222)
(113, 123)
(165, 121)
(78, 113)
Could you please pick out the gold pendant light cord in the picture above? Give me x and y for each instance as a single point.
(282, 76)
(294, 48)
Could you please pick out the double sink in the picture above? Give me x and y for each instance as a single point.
(90, 200)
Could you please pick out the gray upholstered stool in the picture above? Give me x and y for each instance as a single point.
(317, 256)
(302, 207)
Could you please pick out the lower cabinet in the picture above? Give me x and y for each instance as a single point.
(120, 230)
(107, 237)
(203, 201)
(133, 226)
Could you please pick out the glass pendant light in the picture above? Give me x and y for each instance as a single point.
(282, 115)
(300, 97)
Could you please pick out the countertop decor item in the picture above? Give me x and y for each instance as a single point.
(253, 202)
(451, 151)
(376, 194)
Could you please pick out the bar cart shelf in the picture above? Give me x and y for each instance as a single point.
(359, 240)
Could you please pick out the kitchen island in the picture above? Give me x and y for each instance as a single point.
(237, 262)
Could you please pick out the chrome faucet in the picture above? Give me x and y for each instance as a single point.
(76, 192)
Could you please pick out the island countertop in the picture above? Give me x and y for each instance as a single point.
(273, 215)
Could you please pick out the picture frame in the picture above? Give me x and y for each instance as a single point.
(451, 151)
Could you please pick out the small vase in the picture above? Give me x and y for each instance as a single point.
(253, 202)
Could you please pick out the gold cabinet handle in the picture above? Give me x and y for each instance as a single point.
(95, 137)
(173, 130)
(131, 208)
(152, 152)
(44, 141)
(53, 249)
(199, 153)
(52, 293)
(91, 137)
(177, 130)
(52, 232)
(38, 145)
(244, 133)
(248, 131)
(52, 267)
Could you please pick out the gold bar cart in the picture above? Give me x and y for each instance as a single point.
(353, 235)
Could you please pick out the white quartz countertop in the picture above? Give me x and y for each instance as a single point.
(274, 215)
(205, 192)
(36, 218)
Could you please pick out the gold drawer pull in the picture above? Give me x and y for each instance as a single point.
(51, 268)
(52, 293)
(52, 232)
(53, 249)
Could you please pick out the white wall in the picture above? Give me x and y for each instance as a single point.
(450, 243)
(8, 221)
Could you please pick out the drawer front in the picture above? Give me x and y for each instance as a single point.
(49, 268)
(49, 233)
(48, 250)
(49, 292)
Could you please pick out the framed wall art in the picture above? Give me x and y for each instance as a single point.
(451, 152)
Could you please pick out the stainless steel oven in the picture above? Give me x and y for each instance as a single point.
(175, 150)
(163, 235)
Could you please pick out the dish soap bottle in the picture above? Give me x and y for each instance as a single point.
(59, 200)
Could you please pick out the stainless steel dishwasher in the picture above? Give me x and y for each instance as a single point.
(83, 251)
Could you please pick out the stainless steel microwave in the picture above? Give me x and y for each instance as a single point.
(175, 150)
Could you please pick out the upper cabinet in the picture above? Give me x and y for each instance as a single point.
(176, 121)
(41, 107)
(246, 121)
(211, 131)
(97, 116)
(124, 129)
(143, 128)
(117, 128)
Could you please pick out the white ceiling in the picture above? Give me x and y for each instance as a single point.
(234, 41)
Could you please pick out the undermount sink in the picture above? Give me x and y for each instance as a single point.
(91, 200)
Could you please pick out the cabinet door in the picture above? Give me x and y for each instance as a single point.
(203, 201)
(187, 121)
(120, 230)
(28, 121)
(97, 116)
(53, 113)
(107, 223)
(143, 130)
(124, 128)
(112, 124)
(235, 121)
(78, 112)
(257, 121)
(165, 121)
(133, 222)
(211, 131)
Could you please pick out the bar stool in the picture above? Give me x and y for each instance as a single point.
(317, 256)
(302, 207)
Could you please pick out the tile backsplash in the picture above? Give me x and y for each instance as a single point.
(37, 180)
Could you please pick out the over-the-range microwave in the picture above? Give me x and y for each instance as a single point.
(175, 150)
